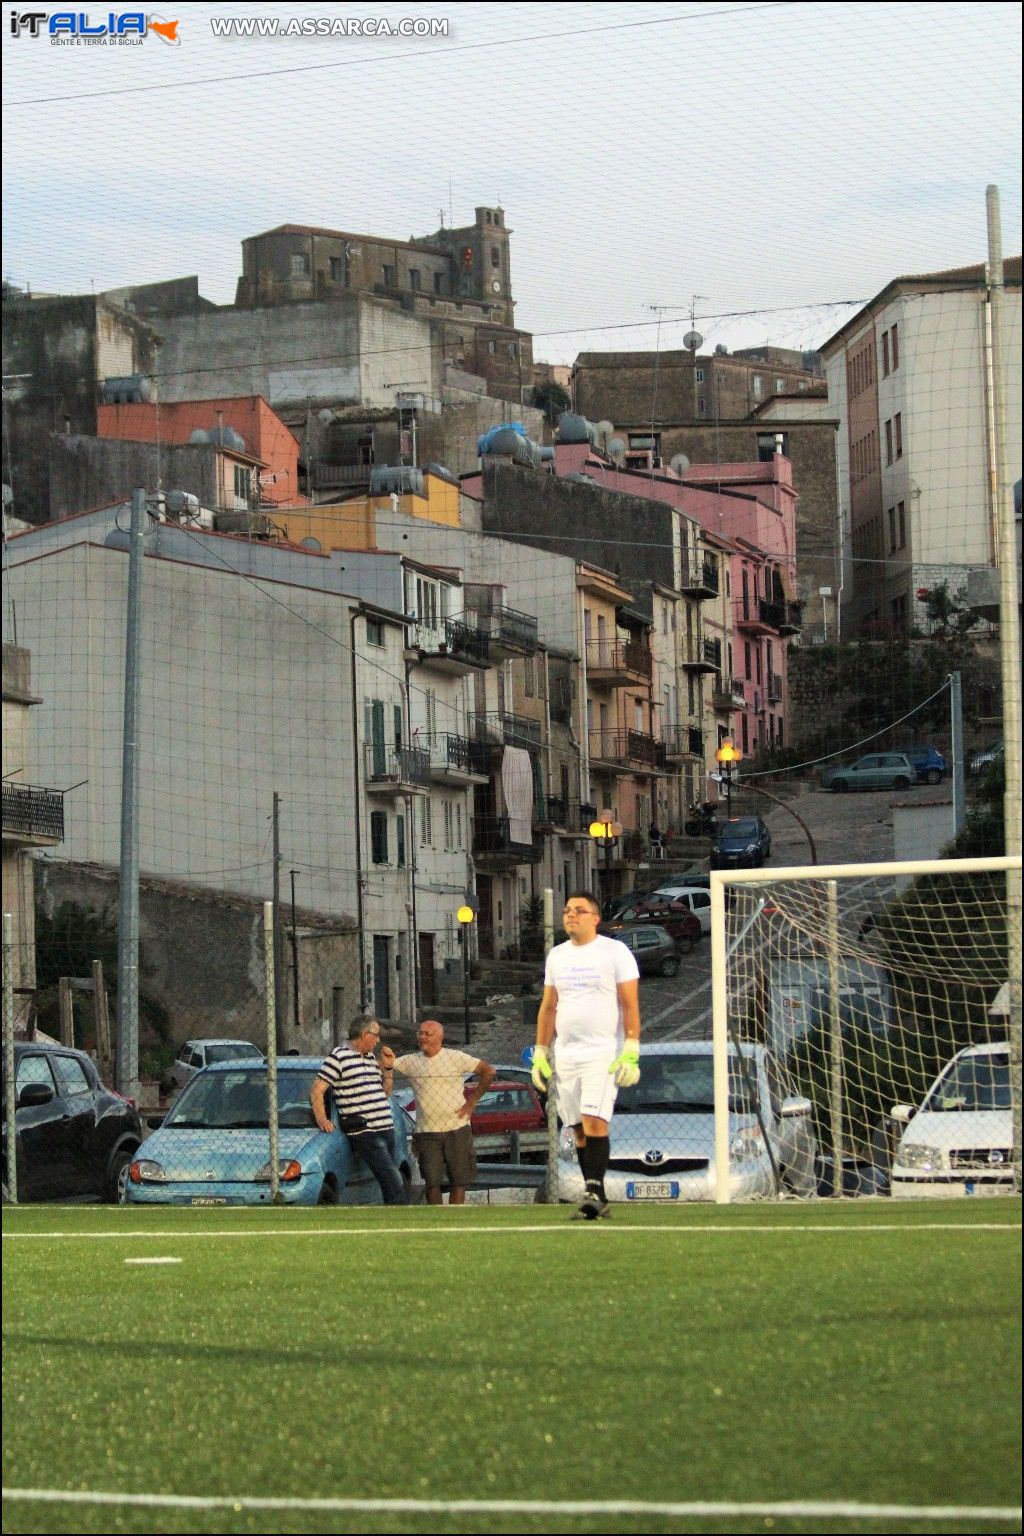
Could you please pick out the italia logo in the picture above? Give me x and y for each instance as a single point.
(79, 26)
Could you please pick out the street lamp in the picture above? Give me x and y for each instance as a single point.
(606, 832)
(728, 757)
(465, 915)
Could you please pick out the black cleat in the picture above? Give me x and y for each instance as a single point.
(590, 1207)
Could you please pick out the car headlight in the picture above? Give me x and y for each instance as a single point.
(746, 1144)
(145, 1171)
(288, 1170)
(750, 848)
(916, 1155)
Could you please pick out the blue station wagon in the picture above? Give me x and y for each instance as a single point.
(213, 1147)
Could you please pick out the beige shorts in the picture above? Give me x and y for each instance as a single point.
(441, 1152)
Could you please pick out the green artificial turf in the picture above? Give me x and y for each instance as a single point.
(414, 1354)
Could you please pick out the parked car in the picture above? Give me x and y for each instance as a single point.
(663, 1132)
(509, 1116)
(695, 897)
(75, 1137)
(692, 880)
(743, 841)
(615, 904)
(979, 762)
(197, 1054)
(212, 1147)
(960, 1141)
(879, 770)
(676, 917)
(928, 763)
(655, 951)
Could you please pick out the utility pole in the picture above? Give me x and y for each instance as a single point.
(127, 1062)
(1009, 646)
(278, 933)
(956, 751)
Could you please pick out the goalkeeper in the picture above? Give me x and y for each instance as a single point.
(591, 1003)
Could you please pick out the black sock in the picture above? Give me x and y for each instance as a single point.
(581, 1154)
(594, 1162)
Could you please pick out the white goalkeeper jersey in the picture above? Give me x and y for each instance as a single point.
(588, 1016)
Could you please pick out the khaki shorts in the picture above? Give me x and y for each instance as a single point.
(441, 1151)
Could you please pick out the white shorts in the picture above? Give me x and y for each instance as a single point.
(585, 1088)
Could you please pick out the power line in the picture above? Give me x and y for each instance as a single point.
(387, 60)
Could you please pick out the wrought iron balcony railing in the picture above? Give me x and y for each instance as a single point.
(493, 838)
(32, 812)
(396, 766)
(628, 748)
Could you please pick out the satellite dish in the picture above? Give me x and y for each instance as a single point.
(721, 350)
(616, 448)
(605, 429)
(325, 417)
(680, 463)
(692, 340)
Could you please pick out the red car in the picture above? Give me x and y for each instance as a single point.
(507, 1113)
(674, 916)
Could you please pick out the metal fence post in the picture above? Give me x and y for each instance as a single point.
(271, 1001)
(835, 1084)
(551, 1182)
(11, 1088)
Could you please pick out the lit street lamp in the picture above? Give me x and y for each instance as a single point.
(728, 757)
(606, 832)
(465, 915)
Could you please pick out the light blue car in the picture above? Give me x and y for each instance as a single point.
(213, 1147)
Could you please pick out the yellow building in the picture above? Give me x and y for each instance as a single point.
(352, 524)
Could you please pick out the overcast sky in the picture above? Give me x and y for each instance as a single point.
(761, 156)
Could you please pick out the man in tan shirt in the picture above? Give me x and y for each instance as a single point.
(443, 1139)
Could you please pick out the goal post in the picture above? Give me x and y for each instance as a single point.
(876, 996)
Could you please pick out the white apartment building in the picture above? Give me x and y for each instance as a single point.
(910, 378)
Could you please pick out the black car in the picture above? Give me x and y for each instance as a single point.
(655, 952)
(75, 1138)
(745, 840)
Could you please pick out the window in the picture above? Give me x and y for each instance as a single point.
(449, 825)
(414, 279)
(888, 442)
(426, 823)
(33, 1069)
(895, 348)
(885, 354)
(891, 515)
(898, 420)
(780, 386)
(747, 673)
(902, 515)
(513, 349)
(374, 632)
(379, 837)
(400, 841)
(71, 1075)
(530, 677)
(495, 256)
(337, 270)
(702, 406)
(388, 276)
(458, 823)
(699, 375)
(757, 383)
(300, 264)
(492, 347)
(243, 482)
(439, 282)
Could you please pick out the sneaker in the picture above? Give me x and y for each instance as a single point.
(590, 1207)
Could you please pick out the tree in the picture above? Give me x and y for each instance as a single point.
(552, 399)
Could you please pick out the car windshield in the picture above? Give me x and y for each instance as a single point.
(745, 827)
(231, 1101)
(683, 1084)
(231, 1050)
(975, 1082)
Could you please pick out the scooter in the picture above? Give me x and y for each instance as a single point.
(703, 819)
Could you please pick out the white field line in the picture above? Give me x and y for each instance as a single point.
(153, 1261)
(573, 1230)
(797, 1509)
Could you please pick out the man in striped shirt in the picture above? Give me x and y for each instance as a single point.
(361, 1090)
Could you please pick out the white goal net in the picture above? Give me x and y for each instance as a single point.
(880, 998)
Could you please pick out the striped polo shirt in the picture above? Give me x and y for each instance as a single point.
(355, 1080)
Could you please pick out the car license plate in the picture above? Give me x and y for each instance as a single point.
(652, 1190)
(208, 1200)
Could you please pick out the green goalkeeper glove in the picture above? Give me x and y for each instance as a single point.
(540, 1071)
(626, 1066)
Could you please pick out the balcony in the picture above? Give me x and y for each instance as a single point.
(396, 770)
(728, 695)
(683, 741)
(511, 633)
(759, 617)
(494, 847)
(627, 752)
(773, 688)
(792, 619)
(456, 649)
(457, 760)
(700, 578)
(32, 816)
(511, 731)
(568, 817)
(618, 663)
(703, 656)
